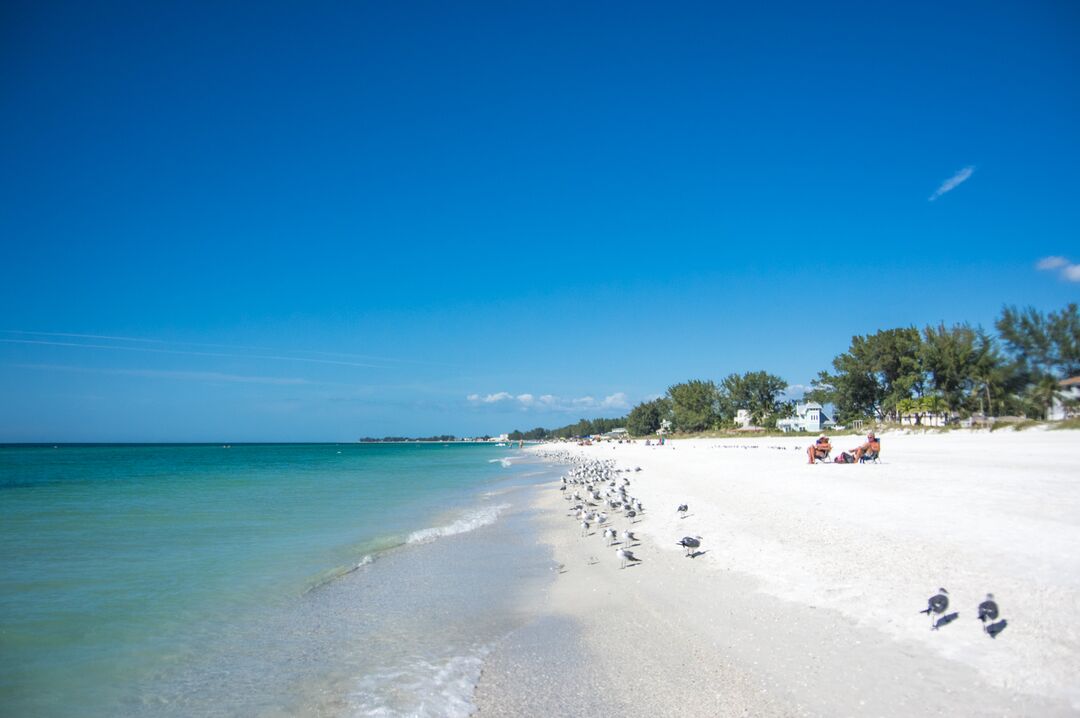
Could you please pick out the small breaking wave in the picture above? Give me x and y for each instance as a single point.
(469, 522)
(368, 559)
(506, 463)
(422, 688)
(336, 573)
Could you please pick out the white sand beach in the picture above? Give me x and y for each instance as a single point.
(806, 599)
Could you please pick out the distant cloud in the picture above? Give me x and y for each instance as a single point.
(1068, 271)
(550, 402)
(616, 401)
(1051, 263)
(490, 398)
(953, 182)
(796, 391)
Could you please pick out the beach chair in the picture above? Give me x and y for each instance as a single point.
(870, 457)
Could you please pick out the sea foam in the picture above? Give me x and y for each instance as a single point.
(469, 522)
(437, 688)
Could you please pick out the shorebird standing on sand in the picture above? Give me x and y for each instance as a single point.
(691, 544)
(683, 508)
(988, 611)
(937, 605)
(584, 528)
(626, 556)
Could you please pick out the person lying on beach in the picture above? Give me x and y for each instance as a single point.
(870, 449)
(820, 449)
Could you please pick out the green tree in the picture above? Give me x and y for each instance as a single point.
(757, 392)
(645, 418)
(537, 434)
(695, 405)
(921, 406)
(957, 359)
(1042, 394)
(1048, 343)
(873, 375)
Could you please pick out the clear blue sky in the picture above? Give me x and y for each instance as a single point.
(317, 221)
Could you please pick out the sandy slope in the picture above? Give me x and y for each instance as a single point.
(806, 601)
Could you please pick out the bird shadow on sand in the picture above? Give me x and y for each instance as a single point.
(685, 516)
(635, 564)
(698, 553)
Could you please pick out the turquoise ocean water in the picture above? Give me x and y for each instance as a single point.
(259, 579)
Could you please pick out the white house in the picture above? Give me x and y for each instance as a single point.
(1070, 388)
(743, 419)
(809, 416)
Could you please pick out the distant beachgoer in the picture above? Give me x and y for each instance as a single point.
(820, 449)
(870, 449)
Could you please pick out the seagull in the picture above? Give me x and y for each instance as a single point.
(631, 514)
(628, 537)
(683, 508)
(609, 535)
(988, 609)
(691, 544)
(938, 603)
(584, 528)
(626, 556)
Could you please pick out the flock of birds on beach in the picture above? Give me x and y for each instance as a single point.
(599, 492)
(938, 604)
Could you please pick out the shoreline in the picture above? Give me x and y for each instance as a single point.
(806, 599)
